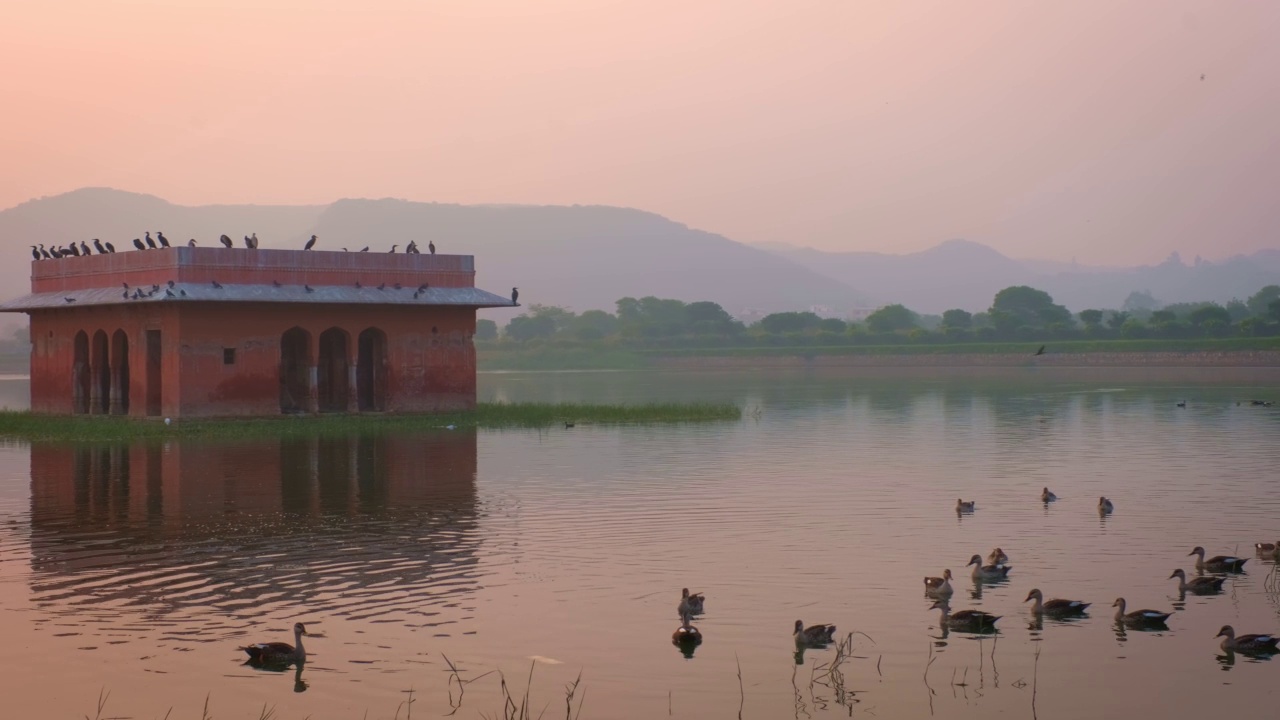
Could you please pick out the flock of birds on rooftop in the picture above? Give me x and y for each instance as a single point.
(250, 241)
(146, 242)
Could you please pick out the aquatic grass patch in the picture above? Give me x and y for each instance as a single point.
(28, 426)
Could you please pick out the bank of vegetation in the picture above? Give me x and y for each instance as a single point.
(1019, 320)
(489, 416)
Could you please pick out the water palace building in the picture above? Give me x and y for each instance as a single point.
(212, 331)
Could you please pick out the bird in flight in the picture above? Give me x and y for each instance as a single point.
(1040, 351)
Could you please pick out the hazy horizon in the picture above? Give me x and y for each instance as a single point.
(1047, 132)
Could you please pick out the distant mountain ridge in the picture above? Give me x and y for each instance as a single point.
(965, 274)
(581, 257)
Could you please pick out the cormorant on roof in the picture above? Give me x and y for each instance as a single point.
(56, 253)
(358, 285)
(97, 245)
(35, 253)
(170, 283)
(69, 299)
(183, 293)
(72, 249)
(164, 241)
(110, 248)
(515, 295)
(276, 283)
(217, 285)
(126, 285)
(310, 243)
(150, 243)
(308, 288)
(226, 241)
(138, 244)
(364, 249)
(45, 253)
(411, 248)
(84, 248)
(422, 287)
(393, 248)
(169, 293)
(254, 238)
(191, 242)
(431, 247)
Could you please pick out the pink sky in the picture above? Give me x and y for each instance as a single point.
(1052, 130)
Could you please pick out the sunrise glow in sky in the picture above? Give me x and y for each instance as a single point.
(1052, 130)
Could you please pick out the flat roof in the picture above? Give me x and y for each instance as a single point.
(240, 293)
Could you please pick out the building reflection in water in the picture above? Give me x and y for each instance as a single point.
(362, 526)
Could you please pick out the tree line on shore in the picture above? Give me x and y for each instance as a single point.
(1018, 313)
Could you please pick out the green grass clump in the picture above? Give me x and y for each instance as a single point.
(487, 416)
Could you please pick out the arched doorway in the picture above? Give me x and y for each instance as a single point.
(120, 371)
(101, 392)
(371, 370)
(80, 378)
(332, 381)
(295, 370)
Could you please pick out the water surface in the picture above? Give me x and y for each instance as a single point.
(140, 568)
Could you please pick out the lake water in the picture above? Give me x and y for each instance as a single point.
(140, 569)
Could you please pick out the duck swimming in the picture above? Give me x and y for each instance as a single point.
(939, 586)
(276, 652)
(1200, 585)
(686, 634)
(1105, 505)
(1046, 496)
(1218, 563)
(997, 557)
(690, 603)
(962, 506)
(1055, 607)
(965, 620)
(1139, 617)
(814, 635)
(1247, 643)
(988, 572)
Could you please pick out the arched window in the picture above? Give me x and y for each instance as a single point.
(100, 393)
(120, 373)
(371, 370)
(80, 378)
(295, 370)
(332, 378)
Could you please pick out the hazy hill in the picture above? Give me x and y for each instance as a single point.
(964, 274)
(580, 257)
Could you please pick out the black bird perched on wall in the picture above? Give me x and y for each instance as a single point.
(56, 253)
(308, 288)
(254, 238)
(364, 249)
(393, 248)
(69, 299)
(45, 253)
(164, 241)
(126, 294)
(431, 247)
(97, 245)
(150, 243)
(247, 242)
(35, 253)
(411, 248)
(1040, 351)
(138, 244)
(84, 248)
(126, 285)
(225, 241)
(358, 285)
(217, 285)
(170, 283)
(110, 248)
(276, 283)
(191, 242)
(422, 287)
(169, 293)
(155, 288)
(515, 295)
(72, 249)
(310, 243)
(183, 293)
(416, 293)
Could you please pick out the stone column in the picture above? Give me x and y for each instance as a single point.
(313, 389)
(353, 399)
